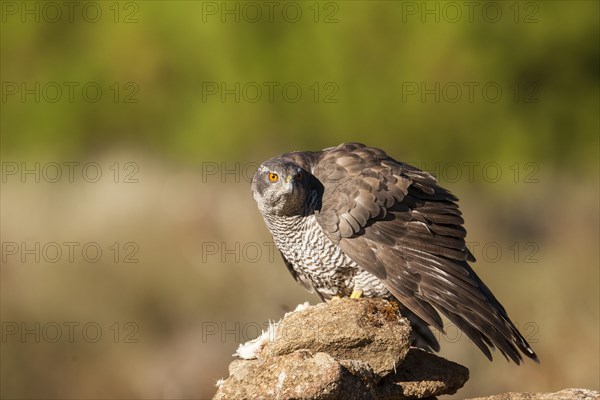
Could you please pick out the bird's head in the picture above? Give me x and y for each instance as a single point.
(281, 187)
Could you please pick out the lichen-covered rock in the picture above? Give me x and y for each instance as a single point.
(566, 394)
(298, 375)
(344, 349)
(422, 375)
(350, 349)
(369, 330)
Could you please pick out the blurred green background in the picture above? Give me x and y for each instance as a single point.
(176, 103)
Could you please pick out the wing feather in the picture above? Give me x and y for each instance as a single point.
(396, 222)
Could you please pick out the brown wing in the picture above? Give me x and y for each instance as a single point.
(396, 222)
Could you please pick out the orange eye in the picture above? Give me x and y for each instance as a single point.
(273, 177)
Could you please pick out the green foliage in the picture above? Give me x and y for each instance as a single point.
(371, 56)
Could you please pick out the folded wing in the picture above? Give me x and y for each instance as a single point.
(396, 222)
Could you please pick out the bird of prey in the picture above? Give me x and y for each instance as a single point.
(352, 221)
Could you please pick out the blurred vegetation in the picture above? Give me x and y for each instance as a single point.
(167, 58)
(369, 53)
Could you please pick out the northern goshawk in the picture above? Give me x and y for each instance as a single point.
(351, 221)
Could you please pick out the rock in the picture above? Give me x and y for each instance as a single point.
(368, 330)
(350, 349)
(343, 349)
(566, 394)
(422, 375)
(303, 375)
(298, 375)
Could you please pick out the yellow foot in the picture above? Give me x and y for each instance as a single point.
(356, 294)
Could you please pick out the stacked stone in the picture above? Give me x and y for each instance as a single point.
(343, 349)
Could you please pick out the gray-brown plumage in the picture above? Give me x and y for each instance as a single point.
(351, 218)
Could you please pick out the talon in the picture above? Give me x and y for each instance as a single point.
(356, 294)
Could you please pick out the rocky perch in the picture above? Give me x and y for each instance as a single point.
(349, 349)
(566, 394)
(343, 349)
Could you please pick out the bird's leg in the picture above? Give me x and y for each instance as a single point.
(356, 294)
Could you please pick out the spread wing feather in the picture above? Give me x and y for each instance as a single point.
(396, 222)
